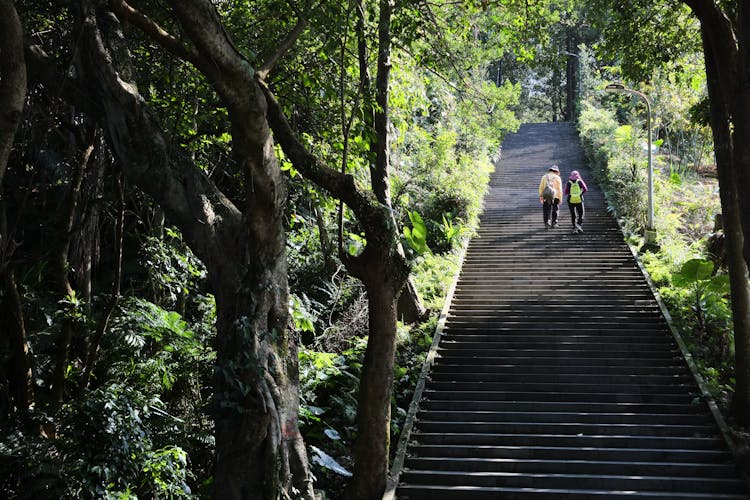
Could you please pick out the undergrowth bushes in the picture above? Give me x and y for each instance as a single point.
(689, 278)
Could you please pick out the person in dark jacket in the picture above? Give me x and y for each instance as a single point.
(574, 190)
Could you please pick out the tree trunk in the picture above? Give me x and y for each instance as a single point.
(741, 169)
(12, 96)
(372, 447)
(86, 242)
(571, 78)
(410, 306)
(740, 117)
(258, 445)
(720, 103)
(411, 309)
(12, 79)
(381, 267)
(326, 247)
(18, 373)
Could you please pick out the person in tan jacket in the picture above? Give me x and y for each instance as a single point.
(550, 195)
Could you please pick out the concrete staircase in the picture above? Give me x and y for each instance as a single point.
(556, 375)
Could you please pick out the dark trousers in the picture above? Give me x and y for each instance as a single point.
(576, 209)
(549, 210)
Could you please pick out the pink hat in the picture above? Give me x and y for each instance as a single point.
(574, 175)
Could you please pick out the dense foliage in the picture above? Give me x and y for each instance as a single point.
(117, 314)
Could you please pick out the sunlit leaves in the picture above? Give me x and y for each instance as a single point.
(643, 36)
(416, 236)
(699, 274)
(300, 313)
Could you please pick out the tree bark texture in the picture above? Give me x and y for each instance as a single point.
(737, 266)
(372, 447)
(741, 169)
(12, 79)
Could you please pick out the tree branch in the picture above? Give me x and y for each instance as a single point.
(287, 43)
(126, 13)
(165, 172)
(200, 21)
(338, 184)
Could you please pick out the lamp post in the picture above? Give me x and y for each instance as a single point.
(619, 87)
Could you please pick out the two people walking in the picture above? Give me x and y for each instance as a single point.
(551, 193)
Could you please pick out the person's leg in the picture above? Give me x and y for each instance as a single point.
(546, 209)
(572, 208)
(581, 211)
(555, 208)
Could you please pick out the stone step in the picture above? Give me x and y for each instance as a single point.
(458, 417)
(581, 467)
(446, 492)
(578, 481)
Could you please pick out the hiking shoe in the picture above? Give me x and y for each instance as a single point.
(554, 225)
(575, 230)
(546, 225)
(579, 228)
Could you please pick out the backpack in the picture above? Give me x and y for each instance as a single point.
(549, 193)
(575, 192)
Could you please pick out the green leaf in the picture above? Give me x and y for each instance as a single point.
(692, 272)
(416, 236)
(719, 284)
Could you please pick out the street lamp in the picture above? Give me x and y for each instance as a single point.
(619, 87)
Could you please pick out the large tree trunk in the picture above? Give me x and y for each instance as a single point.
(12, 95)
(741, 169)
(741, 114)
(371, 450)
(731, 150)
(737, 266)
